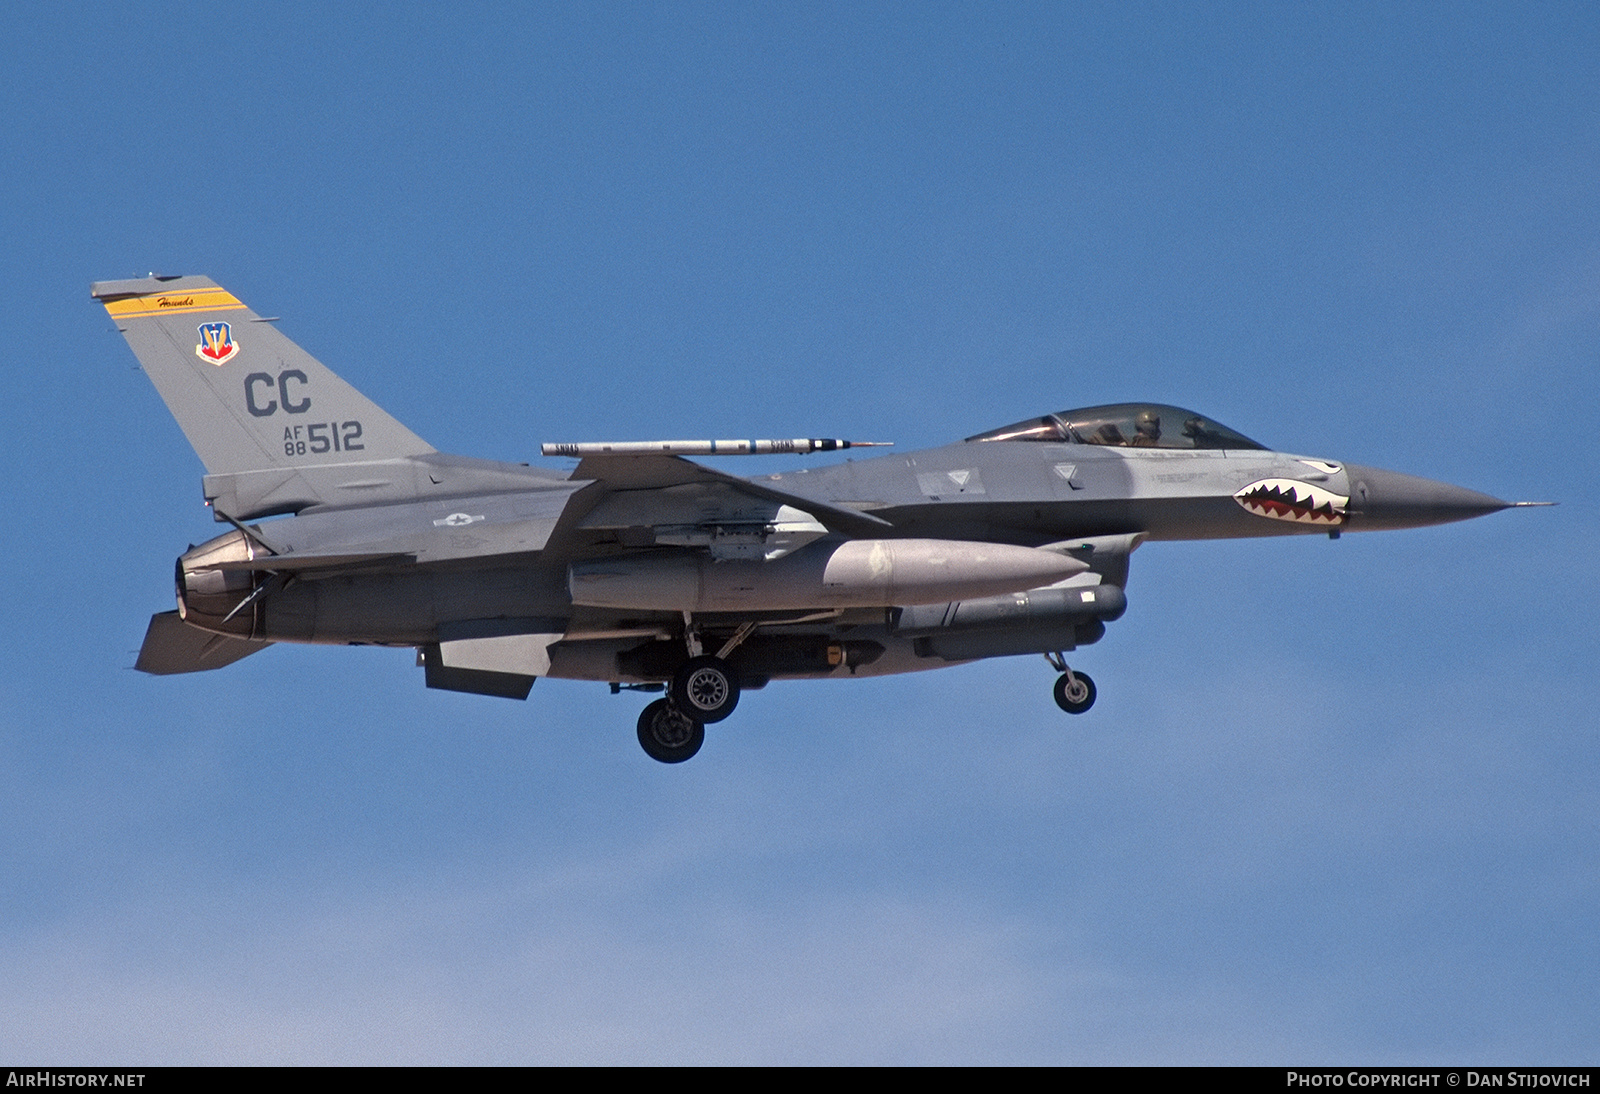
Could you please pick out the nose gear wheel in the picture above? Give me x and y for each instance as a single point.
(1074, 692)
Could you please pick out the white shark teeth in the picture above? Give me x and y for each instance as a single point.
(1293, 500)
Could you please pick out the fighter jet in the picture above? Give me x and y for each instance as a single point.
(650, 572)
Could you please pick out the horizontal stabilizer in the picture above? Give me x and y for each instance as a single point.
(171, 647)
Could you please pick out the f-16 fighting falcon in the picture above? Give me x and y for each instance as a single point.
(653, 573)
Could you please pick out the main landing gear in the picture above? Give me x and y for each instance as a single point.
(1074, 691)
(667, 735)
(704, 689)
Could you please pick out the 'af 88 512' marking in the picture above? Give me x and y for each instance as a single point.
(264, 396)
(320, 437)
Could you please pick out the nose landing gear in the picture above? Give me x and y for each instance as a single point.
(1074, 691)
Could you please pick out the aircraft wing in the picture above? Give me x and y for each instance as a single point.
(670, 490)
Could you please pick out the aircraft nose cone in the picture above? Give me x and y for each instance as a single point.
(1387, 499)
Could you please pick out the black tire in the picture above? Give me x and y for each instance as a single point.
(705, 689)
(667, 735)
(1074, 692)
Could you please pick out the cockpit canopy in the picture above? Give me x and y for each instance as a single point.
(1124, 425)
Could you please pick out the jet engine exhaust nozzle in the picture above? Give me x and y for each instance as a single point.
(209, 596)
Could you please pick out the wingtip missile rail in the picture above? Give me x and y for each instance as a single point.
(799, 446)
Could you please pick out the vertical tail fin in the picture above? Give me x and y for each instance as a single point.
(256, 407)
(245, 396)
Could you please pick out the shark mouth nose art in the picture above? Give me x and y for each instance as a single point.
(1292, 500)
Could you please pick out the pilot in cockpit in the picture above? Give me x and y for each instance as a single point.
(1147, 428)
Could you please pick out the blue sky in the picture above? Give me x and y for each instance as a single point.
(1337, 801)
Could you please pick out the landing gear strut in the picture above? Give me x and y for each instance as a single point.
(1074, 691)
(668, 735)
